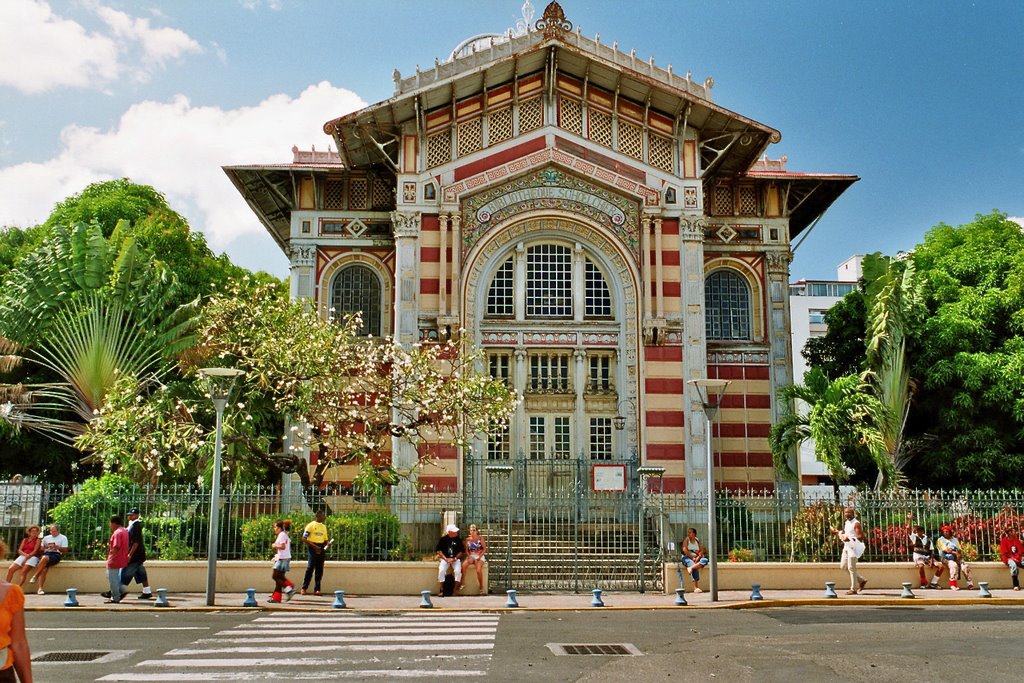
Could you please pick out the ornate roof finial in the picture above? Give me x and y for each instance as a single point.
(553, 23)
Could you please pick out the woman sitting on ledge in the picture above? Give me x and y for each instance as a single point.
(693, 557)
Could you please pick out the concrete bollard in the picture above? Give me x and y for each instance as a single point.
(339, 600)
(755, 592)
(983, 591)
(161, 598)
(72, 600)
(425, 602)
(597, 601)
(511, 602)
(830, 589)
(907, 593)
(250, 598)
(681, 598)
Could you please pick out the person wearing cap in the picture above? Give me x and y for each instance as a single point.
(450, 551)
(136, 569)
(950, 552)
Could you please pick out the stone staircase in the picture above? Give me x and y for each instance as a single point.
(549, 556)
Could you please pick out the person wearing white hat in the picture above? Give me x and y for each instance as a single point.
(450, 551)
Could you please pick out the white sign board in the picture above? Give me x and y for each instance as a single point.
(610, 478)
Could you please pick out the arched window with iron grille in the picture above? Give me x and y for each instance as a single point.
(727, 314)
(357, 289)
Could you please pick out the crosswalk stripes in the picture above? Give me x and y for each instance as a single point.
(332, 646)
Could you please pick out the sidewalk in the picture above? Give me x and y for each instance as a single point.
(537, 601)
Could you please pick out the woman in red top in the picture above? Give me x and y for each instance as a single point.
(1012, 551)
(28, 555)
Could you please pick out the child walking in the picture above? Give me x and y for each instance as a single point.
(282, 561)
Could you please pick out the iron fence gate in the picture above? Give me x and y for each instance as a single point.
(548, 528)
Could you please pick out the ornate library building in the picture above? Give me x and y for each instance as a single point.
(596, 223)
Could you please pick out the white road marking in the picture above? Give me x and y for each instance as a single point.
(120, 628)
(318, 632)
(389, 646)
(426, 621)
(267, 649)
(312, 675)
(258, 637)
(254, 662)
(322, 634)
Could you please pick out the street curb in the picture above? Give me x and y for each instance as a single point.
(746, 604)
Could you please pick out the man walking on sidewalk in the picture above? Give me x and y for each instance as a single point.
(315, 538)
(852, 536)
(117, 557)
(136, 558)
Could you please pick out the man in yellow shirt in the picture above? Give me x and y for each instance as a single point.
(315, 538)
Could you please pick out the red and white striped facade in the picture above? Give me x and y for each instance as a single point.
(572, 209)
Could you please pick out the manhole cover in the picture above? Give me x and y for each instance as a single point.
(70, 656)
(605, 649)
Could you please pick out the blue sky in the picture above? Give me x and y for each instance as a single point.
(924, 101)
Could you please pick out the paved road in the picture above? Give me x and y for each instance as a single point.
(782, 644)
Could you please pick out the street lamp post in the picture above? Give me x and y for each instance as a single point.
(711, 392)
(219, 383)
(506, 471)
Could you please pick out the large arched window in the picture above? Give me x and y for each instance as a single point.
(726, 306)
(548, 281)
(356, 289)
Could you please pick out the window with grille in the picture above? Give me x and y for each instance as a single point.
(334, 188)
(748, 201)
(499, 295)
(471, 136)
(498, 444)
(357, 193)
(499, 126)
(383, 197)
(357, 289)
(439, 148)
(599, 379)
(722, 199)
(598, 298)
(549, 373)
(659, 152)
(537, 437)
(548, 281)
(631, 139)
(500, 367)
(600, 126)
(531, 115)
(562, 447)
(726, 306)
(570, 115)
(600, 438)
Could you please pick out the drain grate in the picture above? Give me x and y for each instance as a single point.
(70, 656)
(601, 649)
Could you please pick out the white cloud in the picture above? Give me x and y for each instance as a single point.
(42, 51)
(256, 4)
(178, 148)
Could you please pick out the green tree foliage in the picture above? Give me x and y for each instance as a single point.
(107, 203)
(841, 350)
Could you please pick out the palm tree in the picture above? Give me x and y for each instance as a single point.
(840, 416)
(88, 308)
(895, 304)
(33, 406)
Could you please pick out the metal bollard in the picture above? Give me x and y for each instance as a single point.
(983, 591)
(597, 601)
(425, 602)
(250, 598)
(339, 600)
(681, 598)
(161, 598)
(907, 593)
(755, 592)
(511, 602)
(830, 589)
(72, 600)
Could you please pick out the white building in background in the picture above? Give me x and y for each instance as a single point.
(809, 299)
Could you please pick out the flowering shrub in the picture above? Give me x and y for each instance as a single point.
(808, 538)
(741, 555)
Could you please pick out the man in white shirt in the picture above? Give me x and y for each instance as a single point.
(55, 544)
(852, 536)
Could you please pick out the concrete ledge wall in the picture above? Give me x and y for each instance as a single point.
(357, 578)
(812, 576)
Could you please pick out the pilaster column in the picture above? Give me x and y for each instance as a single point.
(645, 247)
(579, 287)
(778, 334)
(580, 388)
(518, 432)
(406, 227)
(695, 357)
(301, 269)
(659, 271)
(442, 304)
(519, 282)
(457, 266)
